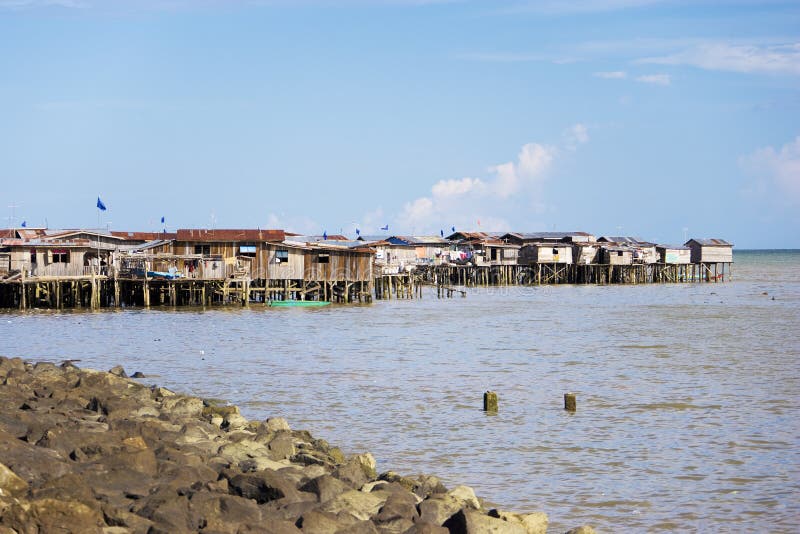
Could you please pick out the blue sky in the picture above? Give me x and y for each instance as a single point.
(643, 117)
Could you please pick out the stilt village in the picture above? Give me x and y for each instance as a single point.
(46, 268)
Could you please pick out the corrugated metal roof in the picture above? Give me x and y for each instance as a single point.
(713, 242)
(228, 235)
(545, 235)
(144, 236)
(673, 247)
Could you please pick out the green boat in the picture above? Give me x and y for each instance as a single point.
(298, 303)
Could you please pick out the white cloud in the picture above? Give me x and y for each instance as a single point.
(777, 171)
(511, 187)
(745, 58)
(576, 135)
(655, 79)
(450, 188)
(612, 75)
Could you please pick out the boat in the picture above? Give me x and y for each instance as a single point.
(298, 303)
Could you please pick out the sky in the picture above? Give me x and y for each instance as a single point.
(659, 119)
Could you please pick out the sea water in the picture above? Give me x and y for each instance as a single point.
(687, 394)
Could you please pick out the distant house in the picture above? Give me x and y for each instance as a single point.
(586, 253)
(674, 254)
(524, 238)
(612, 254)
(642, 251)
(558, 253)
(244, 252)
(484, 251)
(710, 250)
(37, 258)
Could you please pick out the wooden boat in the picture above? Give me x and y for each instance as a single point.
(298, 303)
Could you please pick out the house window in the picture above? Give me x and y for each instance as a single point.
(555, 252)
(494, 254)
(60, 256)
(619, 253)
(33, 256)
(247, 250)
(323, 258)
(281, 256)
(205, 250)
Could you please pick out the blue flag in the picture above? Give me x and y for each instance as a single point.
(385, 227)
(453, 229)
(441, 232)
(100, 205)
(162, 220)
(325, 235)
(358, 232)
(24, 224)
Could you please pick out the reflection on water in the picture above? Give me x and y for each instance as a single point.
(687, 394)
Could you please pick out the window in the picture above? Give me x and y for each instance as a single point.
(33, 255)
(60, 256)
(619, 253)
(205, 250)
(247, 250)
(323, 258)
(555, 252)
(281, 256)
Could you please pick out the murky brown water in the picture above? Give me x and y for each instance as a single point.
(688, 395)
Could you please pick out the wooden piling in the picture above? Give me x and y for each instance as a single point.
(490, 401)
(570, 403)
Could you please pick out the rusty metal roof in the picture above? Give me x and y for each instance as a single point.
(143, 236)
(228, 235)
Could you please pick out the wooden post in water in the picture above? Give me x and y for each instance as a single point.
(490, 402)
(570, 403)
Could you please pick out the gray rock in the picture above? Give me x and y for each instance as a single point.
(361, 505)
(119, 371)
(584, 529)
(438, 508)
(262, 486)
(326, 487)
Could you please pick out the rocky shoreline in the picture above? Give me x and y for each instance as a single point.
(89, 451)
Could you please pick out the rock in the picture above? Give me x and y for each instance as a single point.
(357, 471)
(534, 523)
(275, 424)
(222, 513)
(263, 486)
(468, 521)
(118, 371)
(466, 495)
(584, 529)
(361, 527)
(180, 407)
(357, 503)
(399, 505)
(423, 485)
(281, 447)
(138, 374)
(426, 528)
(317, 522)
(10, 484)
(438, 508)
(325, 487)
(54, 515)
(168, 511)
